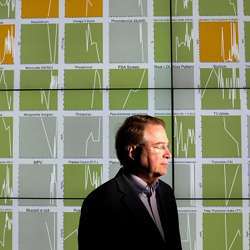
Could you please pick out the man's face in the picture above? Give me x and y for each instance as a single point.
(155, 153)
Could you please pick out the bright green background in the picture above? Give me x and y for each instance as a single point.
(71, 222)
(6, 224)
(123, 98)
(75, 185)
(76, 50)
(182, 43)
(83, 99)
(6, 137)
(215, 235)
(216, 142)
(39, 43)
(220, 78)
(162, 7)
(39, 99)
(222, 181)
(218, 8)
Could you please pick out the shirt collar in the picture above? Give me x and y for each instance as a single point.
(141, 186)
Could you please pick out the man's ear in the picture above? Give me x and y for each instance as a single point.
(132, 152)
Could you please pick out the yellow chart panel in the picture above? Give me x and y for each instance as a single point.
(40, 9)
(7, 36)
(83, 8)
(219, 41)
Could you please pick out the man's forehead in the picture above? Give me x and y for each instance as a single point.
(155, 131)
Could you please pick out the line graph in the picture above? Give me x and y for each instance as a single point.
(83, 43)
(227, 184)
(7, 8)
(187, 229)
(227, 81)
(45, 96)
(182, 7)
(45, 233)
(184, 36)
(43, 184)
(83, 137)
(92, 137)
(184, 136)
(6, 82)
(219, 41)
(227, 136)
(134, 50)
(90, 99)
(80, 180)
(51, 141)
(43, 47)
(6, 137)
(39, 99)
(228, 234)
(182, 47)
(42, 129)
(90, 43)
(5, 230)
(135, 98)
(71, 221)
(6, 189)
(7, 40)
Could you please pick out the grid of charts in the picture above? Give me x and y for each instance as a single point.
(71, 71)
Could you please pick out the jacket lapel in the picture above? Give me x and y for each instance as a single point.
(130, 199)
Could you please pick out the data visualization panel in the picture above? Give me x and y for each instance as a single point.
(72, 71)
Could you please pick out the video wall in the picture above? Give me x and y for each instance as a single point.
(72, 70)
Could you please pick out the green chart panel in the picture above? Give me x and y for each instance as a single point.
(222, 231)
(179, 8)
(79, 181)
(39, 43)
(222, 181)
(128, 89)
(6, 186)
(182, 46)
(88, 99)
(6, 137)
(225, 140)
(184, 135)
(89, 49)
(7, 9)
(6, 83)
(246, 7)
(5, 230)
(248, 86)
(71, 222)
(219, 88)
(218, 8)
(46, 83)
(247, 41)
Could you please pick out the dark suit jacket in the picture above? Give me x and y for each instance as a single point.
(113, 217)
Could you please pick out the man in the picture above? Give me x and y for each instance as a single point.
(135, 209)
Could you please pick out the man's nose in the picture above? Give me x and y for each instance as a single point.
(167, 153)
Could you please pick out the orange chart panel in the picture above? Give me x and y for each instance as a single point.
(7, 36)
(219, 41)
(83, 8)
(40, 8)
